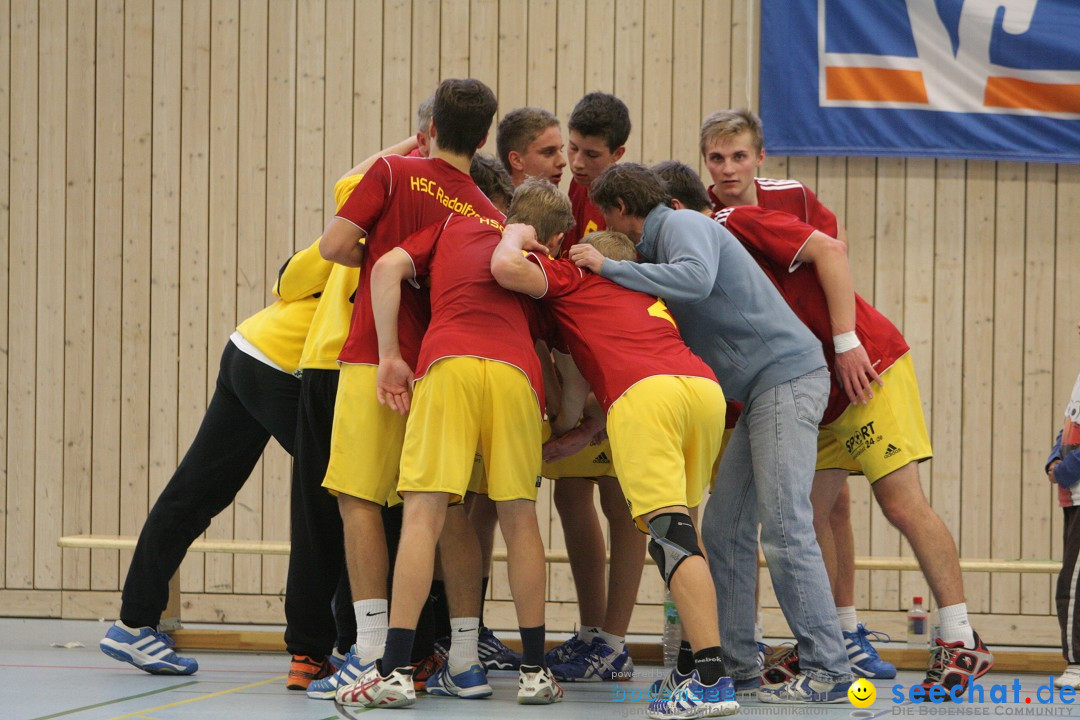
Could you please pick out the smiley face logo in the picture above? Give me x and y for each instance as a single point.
(862, 693)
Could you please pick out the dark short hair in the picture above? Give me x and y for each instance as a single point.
(602, 115)
(462, 114)
(638, 187)
(539, 203)
(684, 184)
(519, 128)
(491, 178)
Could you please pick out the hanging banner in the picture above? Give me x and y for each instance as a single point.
(984, 79)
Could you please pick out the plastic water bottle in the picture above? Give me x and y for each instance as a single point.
(672, 631)
(918, 626)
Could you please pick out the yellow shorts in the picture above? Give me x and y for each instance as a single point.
(592, 461)
(365, 445)
(665, 434)
(478, 478)
(463, 402)
(882, 436)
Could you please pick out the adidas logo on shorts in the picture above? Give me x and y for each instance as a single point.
(891, 450)
(601, 459)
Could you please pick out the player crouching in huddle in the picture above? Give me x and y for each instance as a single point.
(665, 419)
(478, 384)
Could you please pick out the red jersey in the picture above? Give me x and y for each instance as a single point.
(397, 197)
(587, 217)
(471, 315)
(774, 239)
(617, 337)
(792, 197)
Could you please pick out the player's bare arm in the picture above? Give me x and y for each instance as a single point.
(511, 269)
(341, 243)
(394, 378)
(852, 365)
(404, 147)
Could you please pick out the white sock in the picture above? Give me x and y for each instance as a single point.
(849, 622)
(586, 634)
(133, 630)
(372, 619)
(955, 625)
(615, 641)
(464, 636)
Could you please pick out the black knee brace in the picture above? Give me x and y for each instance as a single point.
(673, 540)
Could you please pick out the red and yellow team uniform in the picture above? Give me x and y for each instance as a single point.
(593, 460)
(587, 217)
(478, 379)
(397, 197)
(887, 433)
(665, 410)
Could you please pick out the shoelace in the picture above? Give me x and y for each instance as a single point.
(169, 642)
(940, 657)
(780, 654)
(863, 638)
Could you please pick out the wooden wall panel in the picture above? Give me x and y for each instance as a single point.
(166, 161)
(52, 177)
(280, 244)
(22, 321)
(1036, 592)
(165, 313)
(221, 228)
(137, 204)
(5, 267)
(79, 291)
(108, 285)
(255, 272)
(976, 454)
(1007, 471)
(194, 239)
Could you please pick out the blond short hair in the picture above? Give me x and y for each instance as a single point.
(728, 124)
(612, 245)
(539, 203)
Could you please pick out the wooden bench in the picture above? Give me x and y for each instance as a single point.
(905, 658)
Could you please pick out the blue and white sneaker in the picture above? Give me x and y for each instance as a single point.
(598, 662)
(572, 647)
(667, 684)
(865, 661)
(691, 699)
(804, 691)
(747, 689)
(494, 655)
(146, 649)
(469, 684)
(350, 671)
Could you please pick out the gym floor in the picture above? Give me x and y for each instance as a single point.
(41, 681)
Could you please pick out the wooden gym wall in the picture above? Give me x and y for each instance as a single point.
(160, 159)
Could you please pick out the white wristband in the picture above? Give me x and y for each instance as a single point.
(845, 341)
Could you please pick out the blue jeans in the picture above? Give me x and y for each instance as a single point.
(766, 475)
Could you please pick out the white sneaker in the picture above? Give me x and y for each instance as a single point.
(1069, 678)
(537, 686)
(373, 690)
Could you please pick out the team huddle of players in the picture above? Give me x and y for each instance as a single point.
(463, 329)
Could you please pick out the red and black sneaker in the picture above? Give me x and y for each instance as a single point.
(953, 664)
(423, 669)
(304, 669)
(780, 663)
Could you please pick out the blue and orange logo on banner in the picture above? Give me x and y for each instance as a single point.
(994, 79)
